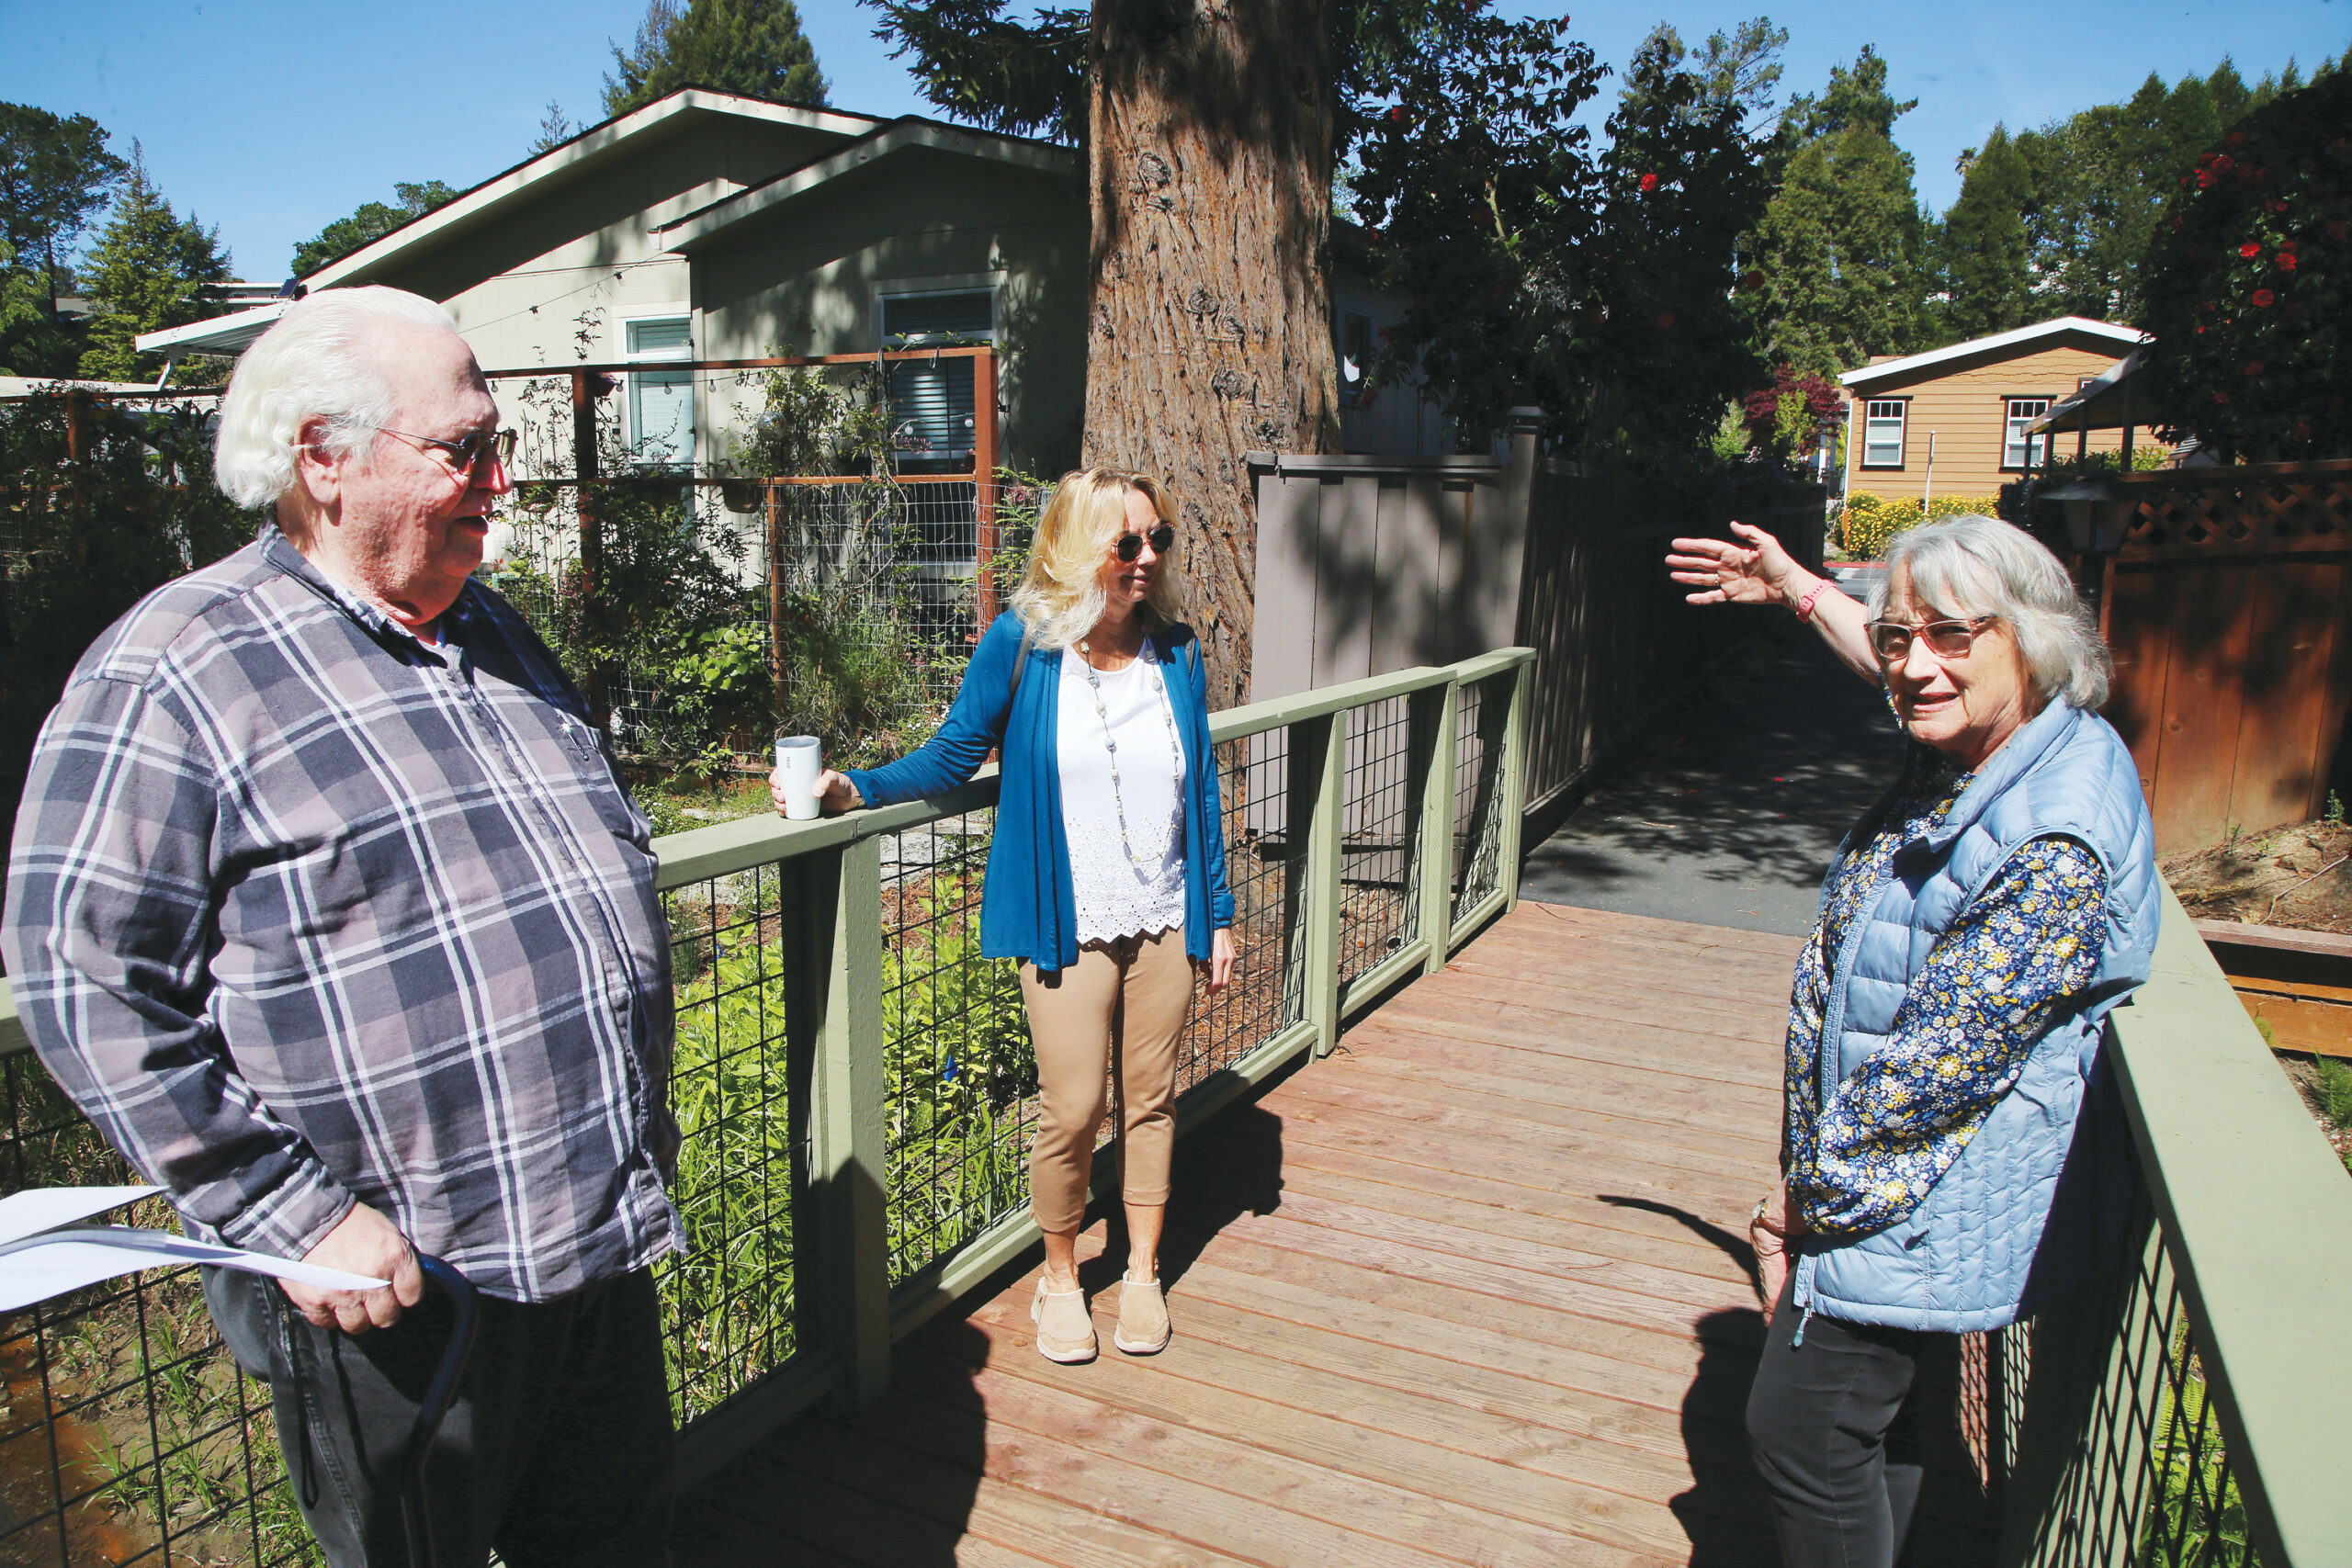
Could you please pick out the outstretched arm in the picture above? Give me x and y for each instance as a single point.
(1755, 569)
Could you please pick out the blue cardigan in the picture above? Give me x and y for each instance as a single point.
(1027, 909)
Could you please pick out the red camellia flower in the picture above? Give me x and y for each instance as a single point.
(2263, 297)
(2224, 162)
(2249, 249)
(2274, 207)
(2286, 261)
(2205, 159)
(2204, 179)
(1665, 320)
(2302, 430)
(2234, 139)
(2254, 367)
(2208, 307)
(2221, 397)
(1398, 113)
(1649, 183)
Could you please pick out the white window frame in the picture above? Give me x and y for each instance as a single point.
(1872, 415)
(682, 310)
(2017, 450)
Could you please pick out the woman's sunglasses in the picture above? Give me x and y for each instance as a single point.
(1130, 546)
(1891, 640)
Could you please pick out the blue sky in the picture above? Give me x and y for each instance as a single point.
(271, 119)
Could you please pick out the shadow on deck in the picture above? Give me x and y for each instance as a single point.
(1474, 1290)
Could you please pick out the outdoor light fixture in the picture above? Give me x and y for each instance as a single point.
(2098, 510)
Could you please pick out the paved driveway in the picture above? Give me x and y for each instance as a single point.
(1729, 814)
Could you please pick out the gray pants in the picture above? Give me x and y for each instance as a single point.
(557, 1449)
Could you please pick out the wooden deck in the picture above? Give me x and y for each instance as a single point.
(1473, 1290)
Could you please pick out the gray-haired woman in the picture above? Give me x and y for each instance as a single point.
(1939, 1171)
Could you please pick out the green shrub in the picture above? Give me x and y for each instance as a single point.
(2331, 1086)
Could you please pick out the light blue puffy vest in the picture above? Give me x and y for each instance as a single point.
(2038, 1198)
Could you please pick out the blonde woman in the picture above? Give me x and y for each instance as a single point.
(1106, 877)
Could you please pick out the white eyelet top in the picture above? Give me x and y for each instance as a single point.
(1115, 896)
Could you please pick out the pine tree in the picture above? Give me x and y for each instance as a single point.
(1841, 248)
(372, 222)
(1987, 269)
(150, 270)
(752, 47)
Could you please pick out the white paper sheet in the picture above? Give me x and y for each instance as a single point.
(46, 1208)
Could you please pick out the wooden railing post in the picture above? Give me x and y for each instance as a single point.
(984, 461)
(1435, 770)
(1512, 798)
(844, 1275)
(586, 388)
(1315, 798)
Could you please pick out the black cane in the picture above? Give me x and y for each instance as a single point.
(467, 1306)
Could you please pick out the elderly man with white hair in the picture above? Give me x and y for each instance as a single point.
(327, 905)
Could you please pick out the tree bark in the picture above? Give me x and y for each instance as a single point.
(1210, 169)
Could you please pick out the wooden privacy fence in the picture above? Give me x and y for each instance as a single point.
(2226, 610)
(1371, 564)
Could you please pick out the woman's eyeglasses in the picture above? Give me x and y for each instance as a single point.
(1130, 546)
(1891, 640)
(466, 454)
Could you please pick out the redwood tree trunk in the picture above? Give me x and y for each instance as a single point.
(1210, 168)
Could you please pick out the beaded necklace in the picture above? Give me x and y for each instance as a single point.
(1111, 743)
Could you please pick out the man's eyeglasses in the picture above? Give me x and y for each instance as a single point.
(1130, 546)
(463, 454)
(1891, 640)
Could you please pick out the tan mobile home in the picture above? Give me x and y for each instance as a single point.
(1953, 420)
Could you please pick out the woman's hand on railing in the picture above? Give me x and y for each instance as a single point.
(833, 791)
(1222, 956)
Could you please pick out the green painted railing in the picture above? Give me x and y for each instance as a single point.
(2193, 1411)
(854, 1087)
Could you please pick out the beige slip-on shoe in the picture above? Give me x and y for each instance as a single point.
(1065, 1331)
(1143, 1317)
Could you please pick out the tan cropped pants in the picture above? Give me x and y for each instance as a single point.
(1116, 1013)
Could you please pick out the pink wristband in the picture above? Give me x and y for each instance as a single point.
(1804, 606)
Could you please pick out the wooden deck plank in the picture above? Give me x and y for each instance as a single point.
(1348, 1469)
(1471, 1291)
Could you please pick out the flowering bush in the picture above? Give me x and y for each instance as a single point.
(2247, 280)
(1869, 522)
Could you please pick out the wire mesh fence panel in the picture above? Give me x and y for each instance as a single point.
(2150, 1481)
(128, 1434)
(961, 1078)
(1251, 785)
(1478, 817)
(1377, 913)
(728, 1309)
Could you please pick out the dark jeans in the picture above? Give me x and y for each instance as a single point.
(557, 1449)
(1817, 1424)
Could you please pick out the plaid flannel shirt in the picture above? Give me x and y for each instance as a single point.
(303, 911)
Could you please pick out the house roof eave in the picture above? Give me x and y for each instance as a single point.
(2124, 338)
(582, 150)
(698, 230)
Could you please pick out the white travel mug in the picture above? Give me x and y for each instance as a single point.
(798, 760)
